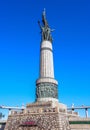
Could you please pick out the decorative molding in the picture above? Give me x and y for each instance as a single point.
(46, 48)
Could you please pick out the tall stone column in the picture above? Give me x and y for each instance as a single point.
(46, 85)
(46, 61)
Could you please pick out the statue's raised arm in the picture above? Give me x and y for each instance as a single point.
(42, 31)
(44, 19)
(39, 25)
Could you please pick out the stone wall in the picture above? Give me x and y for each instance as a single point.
(49, 121)
(46, 116)
(38, 116)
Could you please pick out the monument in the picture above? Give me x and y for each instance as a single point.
(46, 84)
(46, 113)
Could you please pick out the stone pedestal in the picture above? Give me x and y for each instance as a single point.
(39, 116)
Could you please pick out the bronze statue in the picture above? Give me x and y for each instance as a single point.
(45, 29)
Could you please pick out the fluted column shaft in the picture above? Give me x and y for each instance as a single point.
(46, 60)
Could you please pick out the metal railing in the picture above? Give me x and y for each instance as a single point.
(80, 107)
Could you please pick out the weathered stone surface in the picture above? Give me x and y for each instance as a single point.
(37, 116)
(46, 116)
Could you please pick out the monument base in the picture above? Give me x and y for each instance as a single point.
(39, 116)
(46, 116)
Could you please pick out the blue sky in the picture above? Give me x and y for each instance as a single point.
(20, 49)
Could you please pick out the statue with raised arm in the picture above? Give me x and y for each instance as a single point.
(45, 29)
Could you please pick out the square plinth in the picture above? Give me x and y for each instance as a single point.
(39, 116)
